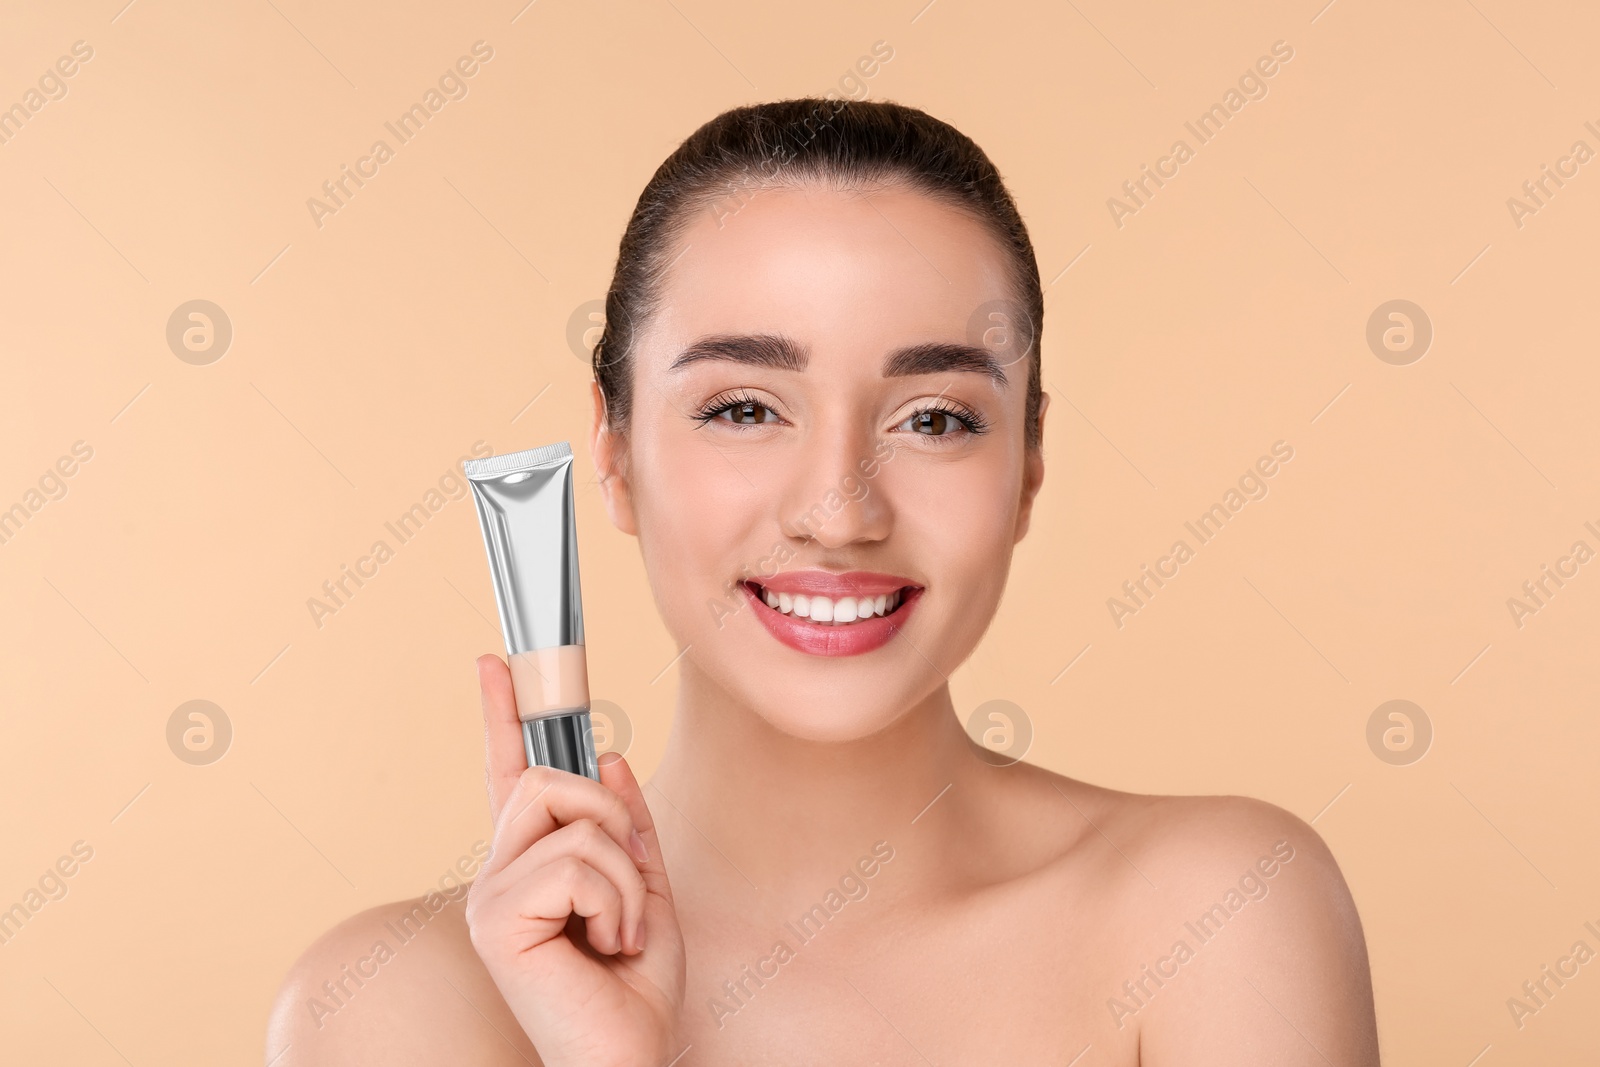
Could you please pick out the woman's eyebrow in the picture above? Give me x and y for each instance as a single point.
(936, 357)
(781, 353)
(760, 350)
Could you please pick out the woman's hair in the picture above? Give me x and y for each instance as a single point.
(803, 141)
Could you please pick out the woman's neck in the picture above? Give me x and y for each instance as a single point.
(786, 811)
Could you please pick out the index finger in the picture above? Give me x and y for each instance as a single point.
(503, 757)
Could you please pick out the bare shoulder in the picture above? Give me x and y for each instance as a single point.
(1195, 841)
(396, 984)
(1257, 947)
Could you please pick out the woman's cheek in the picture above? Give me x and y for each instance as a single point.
(685, 600)
(692, 552)
(966, 550)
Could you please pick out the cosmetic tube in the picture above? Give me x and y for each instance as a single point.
(525, 508)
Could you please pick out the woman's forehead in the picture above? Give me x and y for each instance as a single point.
(828, 268)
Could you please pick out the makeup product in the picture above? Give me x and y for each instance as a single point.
(525, 508)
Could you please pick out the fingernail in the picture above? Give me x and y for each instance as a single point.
(636, 844)
(638, 934)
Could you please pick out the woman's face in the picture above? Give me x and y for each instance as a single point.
(828, 413)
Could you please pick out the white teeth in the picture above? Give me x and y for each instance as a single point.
(823, 609)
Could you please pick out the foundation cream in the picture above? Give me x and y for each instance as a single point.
(525, 508)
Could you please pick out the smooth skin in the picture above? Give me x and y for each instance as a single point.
(1017, 908)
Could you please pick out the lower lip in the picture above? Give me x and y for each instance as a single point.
(828, 639)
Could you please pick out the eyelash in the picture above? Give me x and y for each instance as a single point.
(973, 422)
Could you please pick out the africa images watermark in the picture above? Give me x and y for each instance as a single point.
(341, 589)
(51, 86)
(52, 885)
(1537, 192)
(1537, 591)
(1252, 485)
(1252, 85)
(452, 85)
(52, 486)
(339, 991)
(737, 993)
(1252, 885)
(751, 180)
(1537, 992)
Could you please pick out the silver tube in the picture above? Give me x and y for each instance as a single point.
(525, 509)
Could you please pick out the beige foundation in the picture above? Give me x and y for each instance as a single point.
(525, 509)
(550, 681)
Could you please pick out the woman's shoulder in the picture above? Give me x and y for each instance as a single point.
(1186, 845)
(396, 984)
(1244, 891)
(1196, 834)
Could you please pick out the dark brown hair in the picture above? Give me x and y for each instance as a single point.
(801, 141)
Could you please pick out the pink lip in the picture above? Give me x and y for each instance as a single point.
(820, 639)
(834, 586)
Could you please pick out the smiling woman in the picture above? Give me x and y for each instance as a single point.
(877, 308)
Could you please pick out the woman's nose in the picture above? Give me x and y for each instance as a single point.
(835, 496)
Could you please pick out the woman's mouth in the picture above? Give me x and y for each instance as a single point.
(826, 614)
(828, 611)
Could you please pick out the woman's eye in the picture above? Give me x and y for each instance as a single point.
(934, 423)
(747, 414)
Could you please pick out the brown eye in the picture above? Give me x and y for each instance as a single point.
(747, 414)
(934, 423)
(737, 408)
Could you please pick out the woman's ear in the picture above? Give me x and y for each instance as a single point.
(1032, 474)
(608, 449)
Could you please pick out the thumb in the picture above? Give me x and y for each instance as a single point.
(616, 775)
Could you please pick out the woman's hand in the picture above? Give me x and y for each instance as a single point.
(572, 914)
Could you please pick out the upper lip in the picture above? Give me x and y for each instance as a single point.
(834, 586)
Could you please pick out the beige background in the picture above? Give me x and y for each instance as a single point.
(368, 354)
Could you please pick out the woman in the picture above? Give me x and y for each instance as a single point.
(817, 407)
